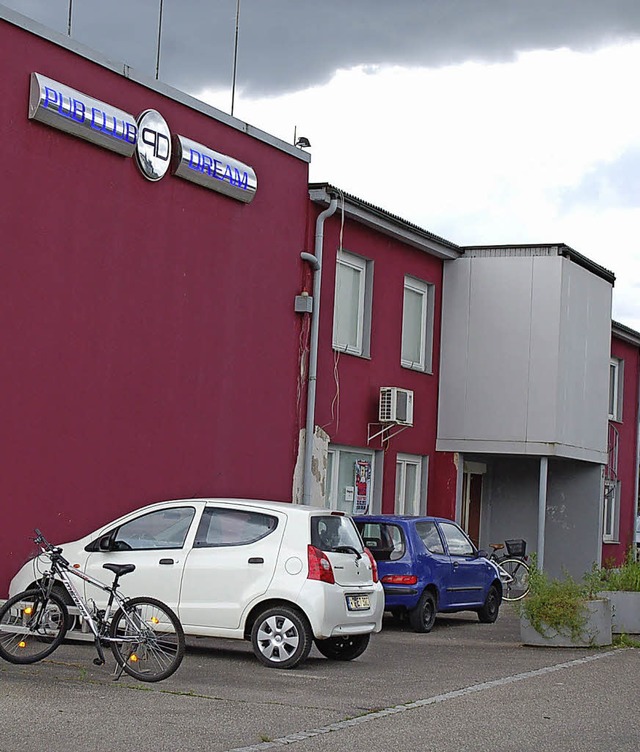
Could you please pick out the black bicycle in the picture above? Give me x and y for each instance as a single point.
(514, 568)
(145, 636)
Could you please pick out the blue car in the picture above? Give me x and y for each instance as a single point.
(428, 565)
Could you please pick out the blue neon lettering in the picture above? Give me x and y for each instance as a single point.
(50, 97)
(194, 160)
(112, 131)
(112, 126)
(65, 108)
(206, 164)
(74, 109)
(214, 168)
(94, 113)
(78, 111)
(131, 133)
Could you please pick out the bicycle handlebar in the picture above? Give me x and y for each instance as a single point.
(54, 552)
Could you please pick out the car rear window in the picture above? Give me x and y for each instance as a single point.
(333, 532)
(385, 541)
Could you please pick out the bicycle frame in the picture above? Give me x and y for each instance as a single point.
(63, 571)
(505, 577)
(144, 634)
(62, 568)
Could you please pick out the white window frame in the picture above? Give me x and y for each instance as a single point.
(364, 267)
(616, 371)
(419, 507)
(333, 472)
(425, 345)
(610, 511)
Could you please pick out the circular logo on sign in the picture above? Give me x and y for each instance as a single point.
(153, 145)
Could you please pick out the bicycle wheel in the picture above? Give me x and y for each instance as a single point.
(32, 626)
(148, 639)
(519, 585)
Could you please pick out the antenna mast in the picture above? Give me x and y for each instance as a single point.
(235, 57)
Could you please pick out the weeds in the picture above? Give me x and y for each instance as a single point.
(555, 605)
(625, 577)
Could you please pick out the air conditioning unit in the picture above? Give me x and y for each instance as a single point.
(396, 405)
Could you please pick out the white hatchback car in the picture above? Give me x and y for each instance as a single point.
(281, 575)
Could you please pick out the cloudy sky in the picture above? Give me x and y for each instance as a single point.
(484, 121)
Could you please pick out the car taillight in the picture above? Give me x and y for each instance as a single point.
(319, 566)
(374, 565)
(400, 579)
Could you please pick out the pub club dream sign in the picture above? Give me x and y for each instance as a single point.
(148, 137)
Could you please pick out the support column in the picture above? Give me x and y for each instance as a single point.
(542, 508)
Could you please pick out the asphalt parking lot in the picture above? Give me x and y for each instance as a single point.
(464, 685)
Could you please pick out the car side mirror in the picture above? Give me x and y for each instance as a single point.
(481, 552)
(104, 543)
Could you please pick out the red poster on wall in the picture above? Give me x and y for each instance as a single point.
(363, 486)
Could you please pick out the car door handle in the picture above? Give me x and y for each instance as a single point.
(456, 564)
(256, 560)
(166, 561)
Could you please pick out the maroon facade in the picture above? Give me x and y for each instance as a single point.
(625, 348)
(137, 314)
(349, 386)
(150, 347)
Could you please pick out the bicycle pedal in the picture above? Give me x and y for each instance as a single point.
(98, 661)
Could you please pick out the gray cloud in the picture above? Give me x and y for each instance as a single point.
(612, 185)
(286, 45)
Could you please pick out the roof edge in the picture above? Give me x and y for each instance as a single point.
(126, 71)
(625, 333)
(384, 222)
(562, 249)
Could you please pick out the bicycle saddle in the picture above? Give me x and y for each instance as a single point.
(494, 546)
(119, 569)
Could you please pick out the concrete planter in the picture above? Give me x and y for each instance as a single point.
(597, 630)
(625, 606)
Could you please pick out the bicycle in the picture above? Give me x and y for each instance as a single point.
(514, 570)
(144, 634)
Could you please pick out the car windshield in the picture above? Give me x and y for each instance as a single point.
(335, 532)
(385, 541)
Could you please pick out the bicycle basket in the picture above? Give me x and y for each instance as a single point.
(517, 547)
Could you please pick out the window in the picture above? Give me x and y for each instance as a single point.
(610, 510)
(350, 479)
(352, 307)
(409, 485)
(457, 542)
(166, 528)
(385, 541)
(232, 527)
(615, 388)
(417, 325)
(333, 532)
(430, 536)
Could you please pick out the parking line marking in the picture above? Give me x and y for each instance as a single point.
(339, 725)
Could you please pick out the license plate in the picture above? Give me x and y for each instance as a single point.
(358, 602)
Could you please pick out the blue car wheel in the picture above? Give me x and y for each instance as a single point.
(489, 612)
(423, 616)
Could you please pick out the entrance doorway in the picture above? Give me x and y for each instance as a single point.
(472, 499)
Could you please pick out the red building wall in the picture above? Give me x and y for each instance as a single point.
(349, 386)
(627, 449)
(136, 315)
